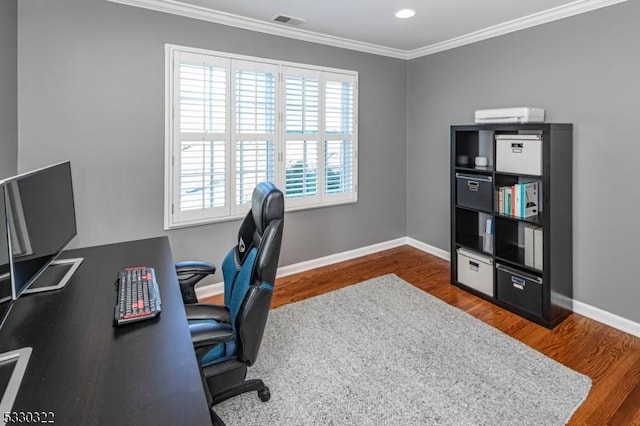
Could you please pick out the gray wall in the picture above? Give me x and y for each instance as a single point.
(92, 91)
(8, 88)
(583, 70)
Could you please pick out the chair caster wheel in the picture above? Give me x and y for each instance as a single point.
(264, 394)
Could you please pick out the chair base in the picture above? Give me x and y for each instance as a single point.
(227, 379)
(247, 386)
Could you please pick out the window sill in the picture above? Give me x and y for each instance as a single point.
(223, 219)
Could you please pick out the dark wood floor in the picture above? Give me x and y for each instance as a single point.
(609, 356)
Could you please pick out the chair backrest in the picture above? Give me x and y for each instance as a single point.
(250, 269)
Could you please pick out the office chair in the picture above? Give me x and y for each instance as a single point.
(191, 272)
(225, 349)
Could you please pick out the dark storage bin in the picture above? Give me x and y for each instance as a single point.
(474, 191)
(519, 289)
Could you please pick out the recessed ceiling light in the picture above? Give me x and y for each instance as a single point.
(405, 13)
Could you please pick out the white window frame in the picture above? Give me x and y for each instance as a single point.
(173, 217)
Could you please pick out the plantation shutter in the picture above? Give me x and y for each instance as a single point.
(201, 117)
(254, 138)
(302, 136)
(235, 121)
(340, 151)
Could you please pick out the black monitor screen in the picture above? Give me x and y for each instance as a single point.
(41, 218)
(5, 271)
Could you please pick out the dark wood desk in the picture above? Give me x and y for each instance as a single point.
(88, 372)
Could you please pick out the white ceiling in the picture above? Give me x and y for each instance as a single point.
(370, 25)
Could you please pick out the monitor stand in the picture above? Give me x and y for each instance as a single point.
(5, 297)
(12, 367)
(55, 276)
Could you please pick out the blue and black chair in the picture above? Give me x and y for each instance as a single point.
(191, 272)
(228, 344)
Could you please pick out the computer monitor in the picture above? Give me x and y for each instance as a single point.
(41, 221)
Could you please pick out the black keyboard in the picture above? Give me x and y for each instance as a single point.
(138, 295)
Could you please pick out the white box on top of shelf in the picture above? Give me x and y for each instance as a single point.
(521, 154)
(510, 115)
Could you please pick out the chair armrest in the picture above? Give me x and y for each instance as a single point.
(189, 273)
(210, 333)
(195, 267)
(202, 311)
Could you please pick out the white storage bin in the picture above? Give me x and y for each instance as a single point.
(475, 271)
(520, 154)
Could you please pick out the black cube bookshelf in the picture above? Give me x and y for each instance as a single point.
(528, 259)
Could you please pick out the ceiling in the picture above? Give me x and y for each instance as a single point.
(371, 26)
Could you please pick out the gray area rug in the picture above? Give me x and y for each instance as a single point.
(386, 352)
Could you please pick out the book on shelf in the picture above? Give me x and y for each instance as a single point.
(517, 200)
(533, 246)
(520, 200)
(487, 237)
(489, 226)
(512, 210)
(538, 244)
(528, 246)
(530, 199)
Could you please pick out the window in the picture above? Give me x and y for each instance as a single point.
(234, 121)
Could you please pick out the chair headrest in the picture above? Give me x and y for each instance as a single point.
(267, 204)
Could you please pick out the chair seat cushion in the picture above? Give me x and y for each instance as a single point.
(202, 311)
(219, 335)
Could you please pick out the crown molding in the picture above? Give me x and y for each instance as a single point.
(550, 15)
(205, 14)
(218, 17)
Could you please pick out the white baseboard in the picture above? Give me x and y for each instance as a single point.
(597, 314)
(209, 290)
(607, 318)
(581, 308)
(427, 248)
(339, 257)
